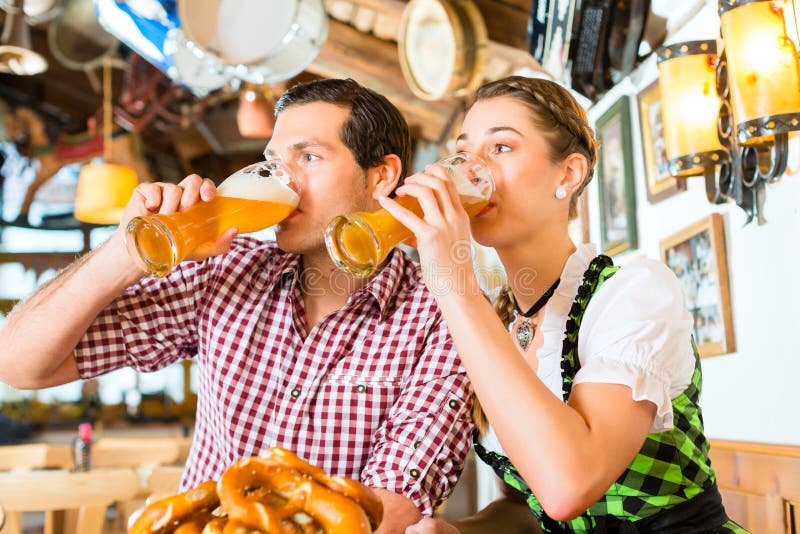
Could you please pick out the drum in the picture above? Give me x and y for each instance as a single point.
(266, 41)
(152, 29)
(192, 67)
(442, 47)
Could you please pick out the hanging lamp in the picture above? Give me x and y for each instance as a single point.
(104, 188)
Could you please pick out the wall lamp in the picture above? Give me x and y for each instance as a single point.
(727, 115)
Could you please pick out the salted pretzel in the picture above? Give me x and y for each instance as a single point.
(351, 488)
(184, 513)
(337, 504)
(276, 493)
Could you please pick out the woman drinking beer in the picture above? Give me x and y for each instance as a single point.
(589, 376)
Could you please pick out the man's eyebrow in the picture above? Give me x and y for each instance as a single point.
(300, 145)
(494, 130)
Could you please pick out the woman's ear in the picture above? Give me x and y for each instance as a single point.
(384, 177)
(576, 168)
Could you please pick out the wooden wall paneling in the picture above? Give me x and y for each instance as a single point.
(792, 509)
(759, 483)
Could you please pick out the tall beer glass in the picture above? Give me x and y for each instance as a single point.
(359, 242)
(253, 198)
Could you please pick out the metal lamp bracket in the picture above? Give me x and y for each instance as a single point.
(742, 177)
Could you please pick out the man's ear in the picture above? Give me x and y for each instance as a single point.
(576, 168)
(383, 178)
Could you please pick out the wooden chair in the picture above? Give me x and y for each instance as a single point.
(136, 452)
(163, 482)
(34, 456)
(84, 496)
(184, 447)
(146, 455)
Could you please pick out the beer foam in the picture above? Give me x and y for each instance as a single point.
(254, 187)
(466, 188)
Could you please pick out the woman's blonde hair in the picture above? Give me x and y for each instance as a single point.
(565, 127)
(504, 308)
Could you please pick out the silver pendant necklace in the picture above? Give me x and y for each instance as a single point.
(523, 327)
(523, 331)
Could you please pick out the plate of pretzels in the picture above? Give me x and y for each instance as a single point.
(275, 493)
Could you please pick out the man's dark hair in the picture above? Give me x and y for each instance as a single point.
(375, 127)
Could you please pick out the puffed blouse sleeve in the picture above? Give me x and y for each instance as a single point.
(637, 332)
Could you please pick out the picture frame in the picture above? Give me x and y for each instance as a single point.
(698, 258)
(660, 184)
(615, 179)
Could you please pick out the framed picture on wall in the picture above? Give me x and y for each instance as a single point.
(615, 179)
(660, 184)
(697, 256)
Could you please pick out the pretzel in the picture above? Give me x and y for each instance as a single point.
(277, 493)
(217, 526)
(334, 512)
(355, 490)
(184, 513)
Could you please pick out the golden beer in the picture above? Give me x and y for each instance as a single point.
(359, 242)
(254, 198)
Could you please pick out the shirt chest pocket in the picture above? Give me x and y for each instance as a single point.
(359, 403)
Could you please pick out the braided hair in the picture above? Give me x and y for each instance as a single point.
(565, 127)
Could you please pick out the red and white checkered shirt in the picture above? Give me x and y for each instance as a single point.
(375, 391)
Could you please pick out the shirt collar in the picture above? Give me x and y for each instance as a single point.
(288, 267)
(382, 286)
(385, 284)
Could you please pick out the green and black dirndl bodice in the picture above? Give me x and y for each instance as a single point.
(669, 488)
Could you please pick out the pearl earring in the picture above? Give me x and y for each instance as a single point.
(561, 193)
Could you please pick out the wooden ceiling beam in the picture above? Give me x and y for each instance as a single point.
(506, 25)
(506, 20)
(374, 63)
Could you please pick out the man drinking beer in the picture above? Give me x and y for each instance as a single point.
(358, 376)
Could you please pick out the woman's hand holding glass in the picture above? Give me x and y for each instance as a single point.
(442, 234)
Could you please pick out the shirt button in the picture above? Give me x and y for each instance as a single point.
(414, 473)
(416, 444)
(453, 404)
(295, 393)
(361, 388)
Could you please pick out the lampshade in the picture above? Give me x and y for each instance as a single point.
(255, 117)
(689, 106)
(16, 54)
(762, 67)
(103, 191)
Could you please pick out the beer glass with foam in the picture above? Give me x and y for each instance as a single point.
(253, 198)
(359, 242)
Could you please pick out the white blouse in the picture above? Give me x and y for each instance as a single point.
(635, 332)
